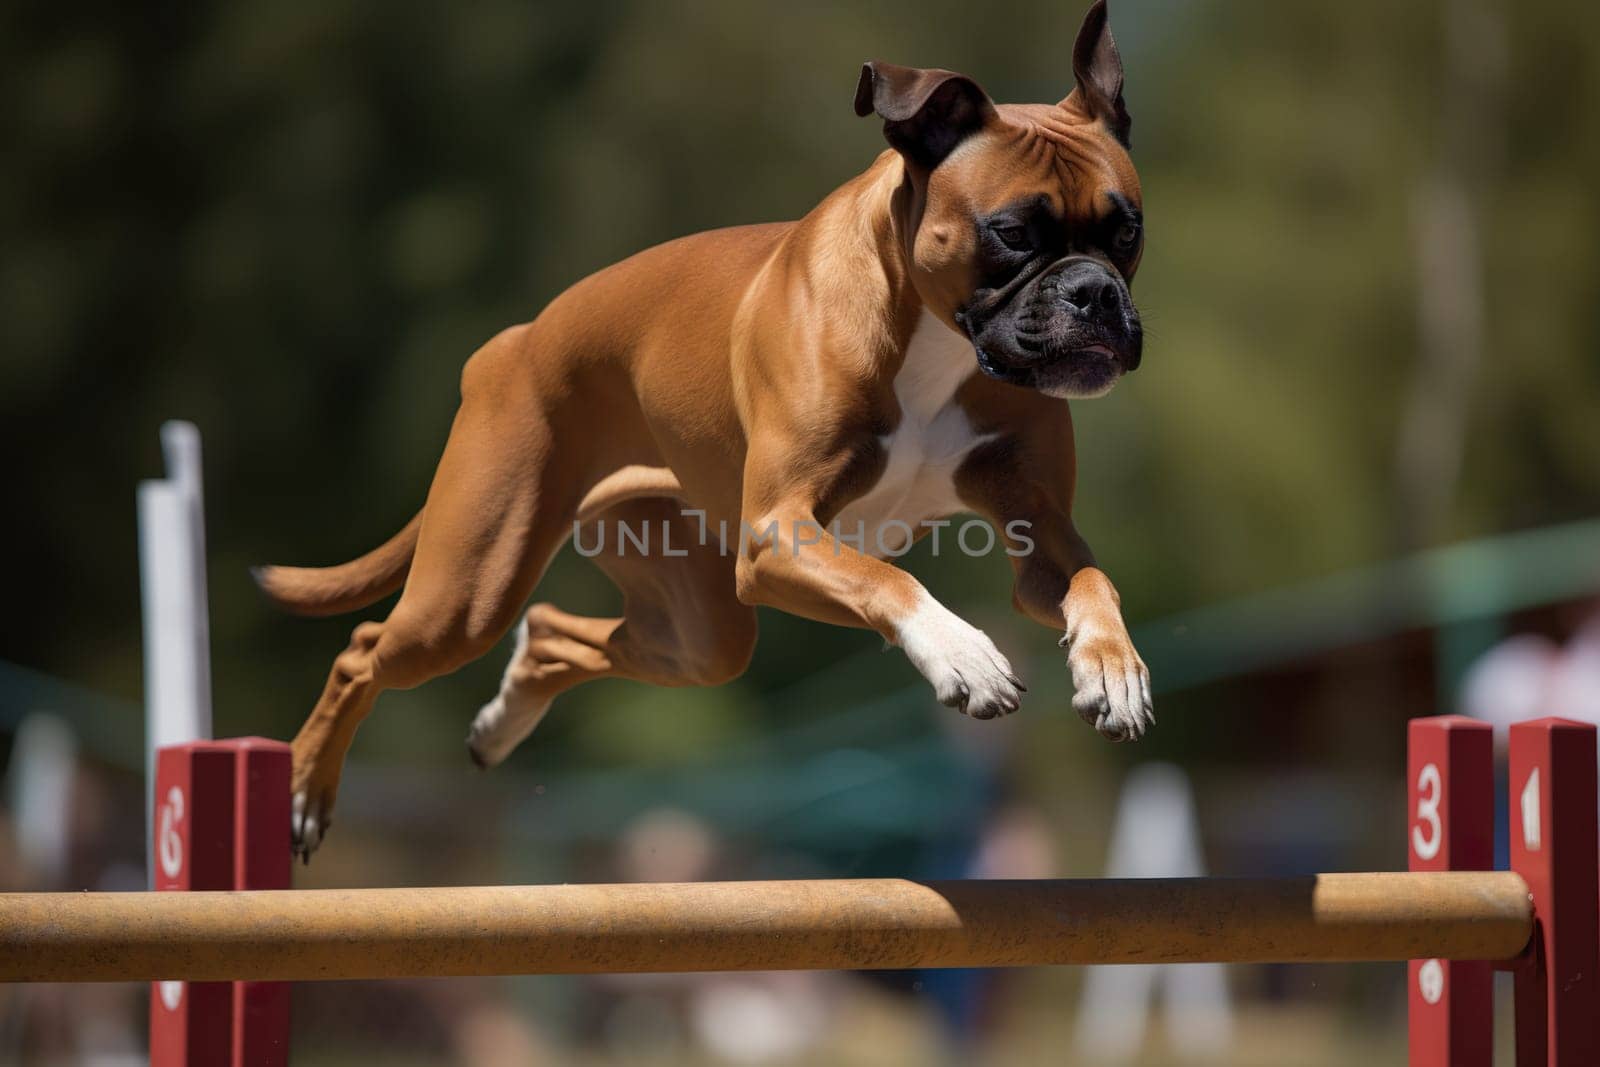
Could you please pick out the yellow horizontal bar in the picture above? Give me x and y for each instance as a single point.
(305, 935)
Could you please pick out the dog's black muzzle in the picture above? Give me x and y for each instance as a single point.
(1076, 310)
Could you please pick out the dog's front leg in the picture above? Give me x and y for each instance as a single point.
(1059, 585)
(788, 560)
(1111, 682)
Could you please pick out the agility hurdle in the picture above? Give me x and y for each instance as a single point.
(223, 817)
(736, 926)
(1553, 833)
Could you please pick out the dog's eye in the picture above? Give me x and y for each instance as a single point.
(1013, 237)
(1127, 236)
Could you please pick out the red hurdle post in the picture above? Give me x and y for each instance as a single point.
(1554, 847)
(261, 860)
(192, 1022)
(222, 817)
(1450, 776)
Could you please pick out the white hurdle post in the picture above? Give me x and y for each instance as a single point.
(217, 812)
(177, 631)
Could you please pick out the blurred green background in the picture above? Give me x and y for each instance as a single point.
(1370, 296)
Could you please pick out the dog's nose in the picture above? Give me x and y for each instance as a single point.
(1089, 294)
(1092, 292)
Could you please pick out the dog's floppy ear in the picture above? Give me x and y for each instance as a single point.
(925, 113)
(1098, 70)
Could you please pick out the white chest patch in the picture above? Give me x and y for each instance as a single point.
(924, 450)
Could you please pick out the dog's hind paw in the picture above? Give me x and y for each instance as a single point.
(309, 821)
(500, 726)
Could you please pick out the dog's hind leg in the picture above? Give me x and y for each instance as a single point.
(682, 625)
(543, 663)
(500, 506)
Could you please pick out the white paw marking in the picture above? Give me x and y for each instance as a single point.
(506, 721)
(1113, 688)
(966, 670)
(500, 726)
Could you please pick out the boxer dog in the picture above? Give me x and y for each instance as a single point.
(903, 353)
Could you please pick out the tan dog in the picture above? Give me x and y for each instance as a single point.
(784, 405)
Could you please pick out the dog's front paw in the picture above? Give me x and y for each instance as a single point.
(966, 670)
(1113, 687)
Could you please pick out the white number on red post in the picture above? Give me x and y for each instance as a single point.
(1429, 790)
(1430, 981)
(169, 842)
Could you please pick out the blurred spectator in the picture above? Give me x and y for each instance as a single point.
(750, 1017)
(1528, 676)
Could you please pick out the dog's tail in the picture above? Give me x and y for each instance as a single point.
(319, 591)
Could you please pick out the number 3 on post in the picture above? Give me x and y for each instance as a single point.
(1450, 775)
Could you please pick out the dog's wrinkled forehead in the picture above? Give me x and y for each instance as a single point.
(1037, 153)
